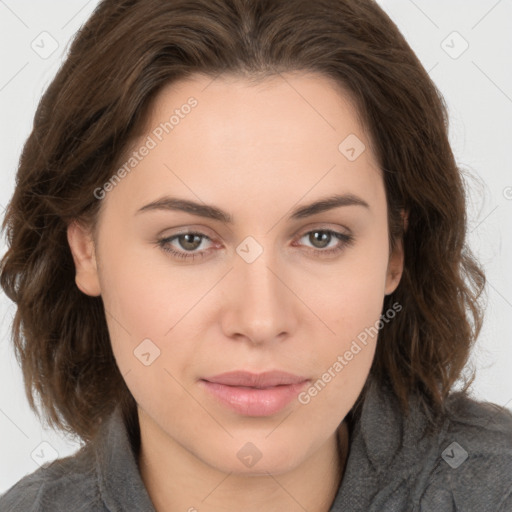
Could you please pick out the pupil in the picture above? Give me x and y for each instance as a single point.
(189, 244)
(324, 236)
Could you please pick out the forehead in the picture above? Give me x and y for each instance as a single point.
(260, 107)
(284, 133)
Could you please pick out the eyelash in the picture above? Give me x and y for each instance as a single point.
(346, 240)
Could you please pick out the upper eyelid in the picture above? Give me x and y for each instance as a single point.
(315, 227)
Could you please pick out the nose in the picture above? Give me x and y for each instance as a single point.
(261, 306)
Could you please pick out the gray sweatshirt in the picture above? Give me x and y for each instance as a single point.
(392, 466)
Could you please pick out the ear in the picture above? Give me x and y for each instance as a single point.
(396, 262)
(83, 251)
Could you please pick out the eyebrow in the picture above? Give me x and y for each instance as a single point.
(215, 213)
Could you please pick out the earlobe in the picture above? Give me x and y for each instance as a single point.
(82, 248)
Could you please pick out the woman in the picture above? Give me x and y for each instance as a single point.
(237, 249)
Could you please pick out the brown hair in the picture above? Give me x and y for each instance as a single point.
(117, 63)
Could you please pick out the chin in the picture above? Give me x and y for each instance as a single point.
(253, 459)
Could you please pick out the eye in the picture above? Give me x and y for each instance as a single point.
(321, 238)
(190, 241)
(187, 245)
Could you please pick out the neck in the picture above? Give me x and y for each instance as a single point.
(178, 480)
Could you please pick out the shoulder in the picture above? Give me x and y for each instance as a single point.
(472, 467)
(65, 484)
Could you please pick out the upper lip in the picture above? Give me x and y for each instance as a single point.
(256, 380)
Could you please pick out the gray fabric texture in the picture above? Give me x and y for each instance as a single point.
(394, 465)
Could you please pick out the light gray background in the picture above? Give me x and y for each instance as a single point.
(477, 86)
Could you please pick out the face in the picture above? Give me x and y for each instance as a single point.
(273, 287)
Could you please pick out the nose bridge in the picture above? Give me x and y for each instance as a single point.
(258, 276)
(261, 300)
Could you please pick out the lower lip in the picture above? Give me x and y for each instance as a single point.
(253, 401)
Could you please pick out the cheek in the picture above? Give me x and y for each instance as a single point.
(351, 297)
(344, 359)
(149, 308)
(144, 293)
(351, 306)
(138, 307)
(144, 318)
(337, 387)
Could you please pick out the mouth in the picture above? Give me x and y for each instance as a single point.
(250, 394)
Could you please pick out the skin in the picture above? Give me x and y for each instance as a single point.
(256, 151)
